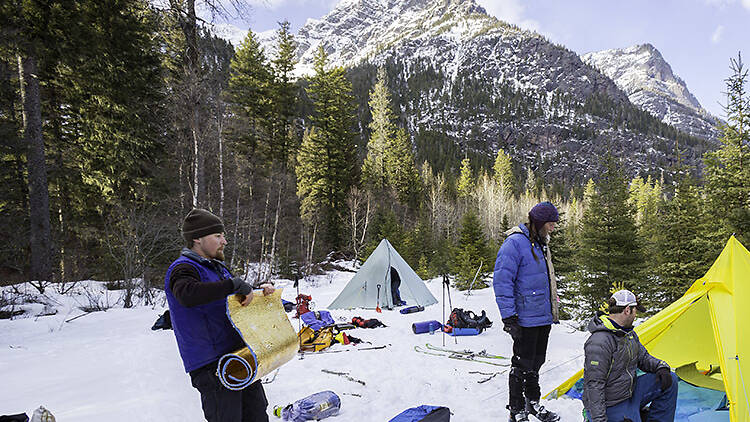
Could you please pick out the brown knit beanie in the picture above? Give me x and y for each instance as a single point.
(199, 223)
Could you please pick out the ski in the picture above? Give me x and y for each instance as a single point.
(343, 350)
(460, 356)
(482, 353)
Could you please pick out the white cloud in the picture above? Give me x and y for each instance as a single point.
(511, 11)
(716, 37)
(746, 3)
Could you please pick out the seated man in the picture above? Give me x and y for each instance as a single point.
(613, 352)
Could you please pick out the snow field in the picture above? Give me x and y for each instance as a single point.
(111, 366)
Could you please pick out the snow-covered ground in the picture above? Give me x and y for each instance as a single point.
(111, 366)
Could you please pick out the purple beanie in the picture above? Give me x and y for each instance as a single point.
(544, 212)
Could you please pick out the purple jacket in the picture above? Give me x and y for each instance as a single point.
(203, 332)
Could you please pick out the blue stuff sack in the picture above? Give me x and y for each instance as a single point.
(426, 327)
(464, 331)
(312, 408)
(412, 309)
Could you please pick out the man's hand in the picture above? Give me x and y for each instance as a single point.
(267, 288)
(246, 299)
(512, 327)
(243, 290)
(665, 377)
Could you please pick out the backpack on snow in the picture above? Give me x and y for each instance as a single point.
(367, 323)
(315, 341)
(468, 319)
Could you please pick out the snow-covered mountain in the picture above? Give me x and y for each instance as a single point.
(230, 33)
(456, 71)
(650, 83)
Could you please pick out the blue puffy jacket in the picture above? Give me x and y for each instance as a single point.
(522, 284)
(203, 332)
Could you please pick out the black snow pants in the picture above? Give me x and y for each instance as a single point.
(529, 353)
(221, 404)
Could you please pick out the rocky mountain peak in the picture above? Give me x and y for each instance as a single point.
(357, 30)
(650, 83)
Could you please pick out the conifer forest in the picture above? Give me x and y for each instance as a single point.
(119, 117)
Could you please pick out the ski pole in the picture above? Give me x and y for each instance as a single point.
(446, 282)
(443, 330)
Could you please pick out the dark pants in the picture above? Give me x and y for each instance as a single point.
(221, 404)
(529, 353)
(647, 390)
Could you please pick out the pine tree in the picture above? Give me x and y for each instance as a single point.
(325, 180)
(390, 160)
(727, 170)
(646, 199)
(374, 168)
(504, 177)
(466, 180)
(248, 98)
(401, 171)
(609, 251)
(284, 95)
(681, 245)
(472, 252)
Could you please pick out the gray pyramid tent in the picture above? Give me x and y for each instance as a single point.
(384, 268)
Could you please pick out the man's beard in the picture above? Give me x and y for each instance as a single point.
(219, 255)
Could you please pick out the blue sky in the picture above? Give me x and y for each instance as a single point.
(696, 37)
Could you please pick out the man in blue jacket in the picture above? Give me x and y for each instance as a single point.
(526, 293)
(197, 285)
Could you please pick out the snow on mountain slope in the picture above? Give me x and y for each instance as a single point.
(650, 83)
(456, 71)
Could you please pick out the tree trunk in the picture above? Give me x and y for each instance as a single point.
(39, 240)
(221, 168)
(275, 228)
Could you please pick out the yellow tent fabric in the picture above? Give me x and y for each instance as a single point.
(705, 335)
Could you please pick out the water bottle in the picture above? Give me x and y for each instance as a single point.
(314, 407)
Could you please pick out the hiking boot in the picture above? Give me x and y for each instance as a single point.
(539, 412)
(519, 416)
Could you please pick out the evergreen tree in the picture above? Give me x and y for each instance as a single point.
(402, 173)
(727, 170)
(609, 251)
(646, 199)
(248, 98)
(284, 95)
(563, 246)
(504, 177)
(324, 180)
(681, 247)
(384, 225)
(472, 252)
(374, 168)
(465, 180)
(390, 160)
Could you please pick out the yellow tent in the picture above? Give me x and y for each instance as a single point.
(701, 334)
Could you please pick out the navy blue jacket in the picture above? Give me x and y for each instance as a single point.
(522, 283)
(203, 332)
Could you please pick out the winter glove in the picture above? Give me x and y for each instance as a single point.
(512, 327)
(240, 286)
(665, 377)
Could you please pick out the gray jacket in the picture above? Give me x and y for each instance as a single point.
(612, 356)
